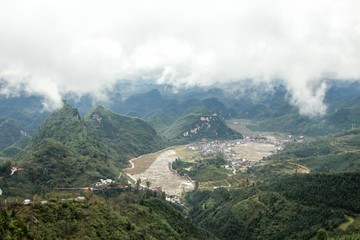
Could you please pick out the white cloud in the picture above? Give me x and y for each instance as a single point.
(51, 48)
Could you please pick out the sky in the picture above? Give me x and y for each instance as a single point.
(51, 48)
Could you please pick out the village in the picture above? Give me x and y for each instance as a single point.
(235, 151)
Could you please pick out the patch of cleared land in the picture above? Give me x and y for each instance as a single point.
(253, 151)
(140, 164)
(240, 125)
(185, 154)
(159, 174)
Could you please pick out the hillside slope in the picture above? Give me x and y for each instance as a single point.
(295, 207)
(68, 151)
(333, 153)
(95, 218)
(193, 127)
(125, 137)
(13, 139)
(51, 165)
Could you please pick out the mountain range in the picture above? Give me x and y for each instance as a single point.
(74, 149)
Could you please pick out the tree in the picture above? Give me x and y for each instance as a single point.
(6, 169)
(220, 158)
(138, 182)
(321, 234)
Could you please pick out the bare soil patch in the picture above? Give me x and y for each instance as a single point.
(254, 151)
(140, 164)
(159, 173)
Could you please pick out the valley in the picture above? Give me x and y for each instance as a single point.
(248, 172)
(180, 120)
(239, 155)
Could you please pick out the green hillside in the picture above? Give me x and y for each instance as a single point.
(295, 207)
(193, 127)
(142, 104)
(333, 153)
(124, 137)
(124, 216)
(16, 148)
(10, 132)
(67, 126)
(286, 118)
(26, 110)
(69, 151)
(273, 111)
(346, 116)
(276, 202)
(13, 139)
(50, 165)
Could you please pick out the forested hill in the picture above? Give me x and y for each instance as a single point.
(333, 153)
(69, 151)
(295, 207)
(194, 127)
(135, 216)
(124, 136)
(13, 139)
(67, 126)
(101, 133)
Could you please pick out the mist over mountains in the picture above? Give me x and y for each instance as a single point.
(161, 105)
(84, 48)
(180, 119)
(83, 143)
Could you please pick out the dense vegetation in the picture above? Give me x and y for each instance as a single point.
(26, 110)
(277, 203)
(68, 151)
(295, 207)
(13, 139)
(50, 165)
(210, 169)
(124, 137)
(128, 215)
(101, 134)
(333, 153)
(67, 126)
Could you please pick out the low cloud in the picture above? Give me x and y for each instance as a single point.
(51, 49)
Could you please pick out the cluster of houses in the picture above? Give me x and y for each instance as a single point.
(244, 163)
(175, 200)
(103, 183)
(210, 149)
(28, 201)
